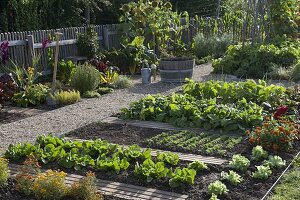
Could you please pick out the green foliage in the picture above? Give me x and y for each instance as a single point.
(239, 163)
(275, 162)
(109, 76)
(104, 90)
(85, 78)
(217, 188)
(151, 170)
(212, 46)
(91, 94)
(32, 95)
(295, 72)
(65, 70)
(258, 153)
(263, 172)
(66, 97)
(168, 157)
(197, 165)
(4, 171)
(232, 177)
(199, 143)
(255, 61)
(214, 197)
(122, 82)
(87, 43)
(180, 176)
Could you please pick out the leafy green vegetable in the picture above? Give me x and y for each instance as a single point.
(217, 188)
(168, 157)
(150, 170)
(262, 172)
(232, 177)
(239, 163)
(197, 165)
(180, 176)
(258, 153)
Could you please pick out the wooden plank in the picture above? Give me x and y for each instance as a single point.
(121, 190)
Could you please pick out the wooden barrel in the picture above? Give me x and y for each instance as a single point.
(176, 70)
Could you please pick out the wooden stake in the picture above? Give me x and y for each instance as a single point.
(58, 36)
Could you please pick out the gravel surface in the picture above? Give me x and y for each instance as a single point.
(71, 117)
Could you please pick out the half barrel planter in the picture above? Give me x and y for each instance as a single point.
(176, 70)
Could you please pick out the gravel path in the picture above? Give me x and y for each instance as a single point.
(87, 111)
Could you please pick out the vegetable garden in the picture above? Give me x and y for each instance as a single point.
(212, 139)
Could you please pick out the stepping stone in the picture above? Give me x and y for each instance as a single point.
(120, 190)
(182, 156)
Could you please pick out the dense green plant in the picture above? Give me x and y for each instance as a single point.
(91, 94)
(122, 82)
(85, 78)
(212, 46)
(168, 157)
(239, 162)
(66, 97)
(255, 61)
(87, 43)
(104, 90)
(262, 172)
(258, 153)
(275, 162)
(180, 176)
(197, 165)
(232, 177)
(217, 188)
(4, 171)
(151, 170)
(65, 70)
(32, 95)
(295, 72)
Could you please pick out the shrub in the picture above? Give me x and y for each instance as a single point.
(239, 162)
(217, 188)
(87, 43)
(65, 70)
(232, 177)
(67, 97)
(32, 95)
(85, 78)
(255, 61)
(104, 90)
(275, 134)
(91, 94)
(4, 172)
(212, 46)
(49, 185)
(295, 72)
(122, 82)
(85, 189)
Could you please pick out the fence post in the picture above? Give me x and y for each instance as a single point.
(31, 53)
(106, 37)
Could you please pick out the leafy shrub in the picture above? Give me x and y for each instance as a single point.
(275, 134)
(67, 97)
(32, 95)
(217, 188)
(232, 177)
(255, 61)
(104, 90)
(213, 45)
(49, 185)
(180, 176)
(65, 69)
(85, 189)
(122, 82)
(85, 78)
(4, 171)
(262, 172)
(87, 43)
(91, 94)
(275, 162)
(197, 165)
(295, 72)
(239, 162)
(258, 153)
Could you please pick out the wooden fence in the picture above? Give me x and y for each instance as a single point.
(23, 44)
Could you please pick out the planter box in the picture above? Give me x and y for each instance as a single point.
(176, 70)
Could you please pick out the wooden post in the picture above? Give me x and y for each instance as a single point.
(58, 36)
(106, 37)
(31, 53)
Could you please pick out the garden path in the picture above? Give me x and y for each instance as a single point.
(71, 117)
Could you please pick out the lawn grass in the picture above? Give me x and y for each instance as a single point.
(289, 186)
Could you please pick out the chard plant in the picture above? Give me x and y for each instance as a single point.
(232, 177)
(239, 162)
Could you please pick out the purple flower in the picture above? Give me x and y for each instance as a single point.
(4, 55)
(45, 43)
